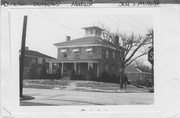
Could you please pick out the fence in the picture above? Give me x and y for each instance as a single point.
(139, 76)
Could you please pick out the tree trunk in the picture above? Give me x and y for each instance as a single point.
(121, 78)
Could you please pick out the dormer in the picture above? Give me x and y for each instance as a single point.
(93, 31)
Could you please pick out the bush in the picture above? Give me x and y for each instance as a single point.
(91, 74)
(72, 75)
(33, 72)
(115, 79)
(75, 76)
(58, 74)
(43, 73)
(106, 77)
(144, 82)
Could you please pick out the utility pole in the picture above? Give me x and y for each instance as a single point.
(153, 59)
(22, 55)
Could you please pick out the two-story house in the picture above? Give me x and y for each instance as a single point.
(90, 50)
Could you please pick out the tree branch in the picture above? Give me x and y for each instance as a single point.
(135, 58)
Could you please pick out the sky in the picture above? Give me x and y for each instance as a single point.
(46, 27)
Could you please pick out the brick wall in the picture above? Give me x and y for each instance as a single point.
(111, 62)
(99, 53)
(83, 54)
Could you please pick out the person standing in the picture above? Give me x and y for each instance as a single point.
(53, 75)
(125, 81)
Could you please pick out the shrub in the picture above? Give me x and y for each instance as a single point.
(58, 74)
(72, 75)
(33, 72)
(43, 73)
(104, 77)
(75, 76)
(91, 74)
(144, 82)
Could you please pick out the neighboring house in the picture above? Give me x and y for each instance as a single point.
(134, 74)
(82, 53)
(34, 62)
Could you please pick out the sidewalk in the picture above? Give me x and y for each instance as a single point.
(53, 97)
(60, 93)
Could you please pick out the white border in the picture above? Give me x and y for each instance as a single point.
(10, 72)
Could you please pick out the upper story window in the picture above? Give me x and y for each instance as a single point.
(64, 53)
(107, 53)
(76, 53)
(90, 52)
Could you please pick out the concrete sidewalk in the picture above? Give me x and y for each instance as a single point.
(53, 97)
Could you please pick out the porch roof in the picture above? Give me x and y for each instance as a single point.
(72, 61)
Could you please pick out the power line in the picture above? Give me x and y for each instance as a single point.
(138, 22)
(117, 22)
(123, 20)
(53, 21)
(141, 21)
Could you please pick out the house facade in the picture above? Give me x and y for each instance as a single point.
(34, 62)
(85, 52)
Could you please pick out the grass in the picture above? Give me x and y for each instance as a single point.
(49, 82)
(78, 85)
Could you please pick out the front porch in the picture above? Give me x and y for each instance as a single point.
(80, 67)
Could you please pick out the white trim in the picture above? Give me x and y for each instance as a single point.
(63, 50)
(76, 50)
(85, 45)
(89, 49)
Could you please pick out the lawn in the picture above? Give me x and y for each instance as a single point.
(77, 85)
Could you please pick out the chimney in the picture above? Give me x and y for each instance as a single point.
(26, 48)
(68, 38)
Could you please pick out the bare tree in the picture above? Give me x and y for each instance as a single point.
(129, 47)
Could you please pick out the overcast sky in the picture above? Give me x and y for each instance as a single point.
(46, 27)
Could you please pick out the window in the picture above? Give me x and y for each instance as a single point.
(35, 60)
(44, 61)
(76, 53)
(90, 52)
(64, 53)
(40, 61)
(107, 53)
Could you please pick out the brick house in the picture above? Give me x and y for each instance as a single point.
(85, 52)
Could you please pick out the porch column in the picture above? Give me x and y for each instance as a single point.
(97, 70)
(90, 64)
(75, 66)
(50, 67)
(62, 68)
(79, 68)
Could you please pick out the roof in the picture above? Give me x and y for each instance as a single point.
(85, 41)
(132, 69)
(37, 54)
